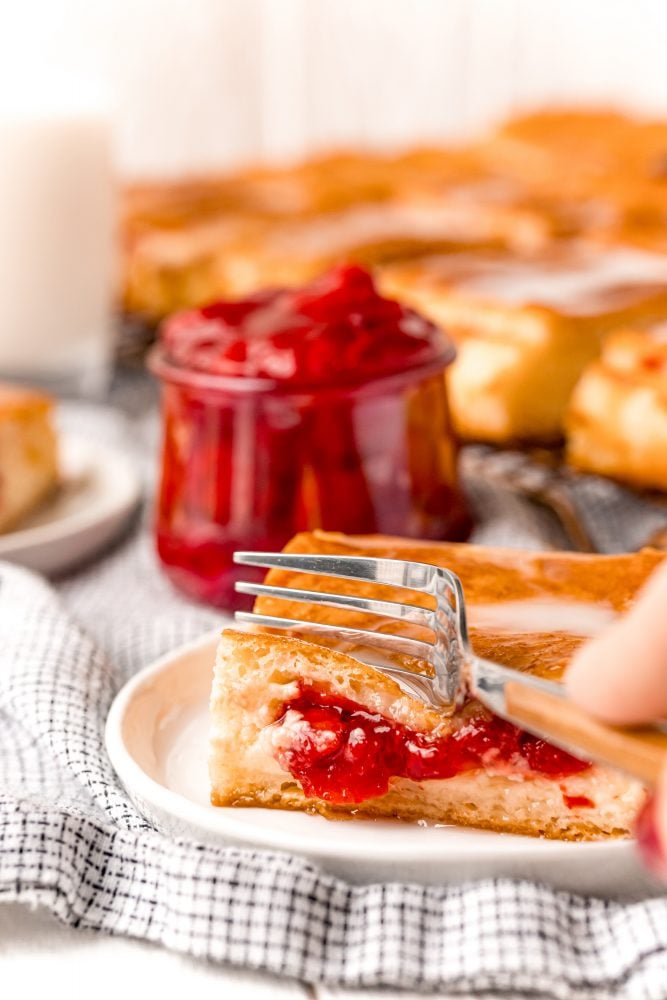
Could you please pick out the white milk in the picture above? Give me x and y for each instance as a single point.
(56, 246)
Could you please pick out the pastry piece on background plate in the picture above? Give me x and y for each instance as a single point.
(299, 725)
(617, 419)
(28, 452)
(526, 327)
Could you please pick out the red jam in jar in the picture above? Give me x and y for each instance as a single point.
(319, 407)
(340, 752)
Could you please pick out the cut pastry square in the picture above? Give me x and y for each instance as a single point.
(526, 327)
(617, 419)
(28, 453)
(303, 725)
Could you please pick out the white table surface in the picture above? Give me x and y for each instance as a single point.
(41, 957)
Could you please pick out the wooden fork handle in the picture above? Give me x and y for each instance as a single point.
(639, 751)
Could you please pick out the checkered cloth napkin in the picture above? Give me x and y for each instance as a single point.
(71, 840)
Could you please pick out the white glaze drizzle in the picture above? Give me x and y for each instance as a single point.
(541, 615)
(579, 282)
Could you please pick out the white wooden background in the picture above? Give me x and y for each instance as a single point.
(204, 83)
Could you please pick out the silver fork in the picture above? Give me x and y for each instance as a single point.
(535, 704)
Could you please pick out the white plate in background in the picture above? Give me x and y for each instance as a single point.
(156, 737)
(99, 491)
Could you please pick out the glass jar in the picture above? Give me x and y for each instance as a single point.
(249, 461)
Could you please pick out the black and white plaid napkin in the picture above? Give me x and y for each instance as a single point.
(71, 840)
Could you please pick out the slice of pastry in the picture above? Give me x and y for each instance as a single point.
(527, 327)
(300, 725)
(617, 420)
(28, 452)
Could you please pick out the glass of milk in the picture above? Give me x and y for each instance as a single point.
(57, 252)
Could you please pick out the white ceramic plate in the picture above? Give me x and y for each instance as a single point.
(156, 737)
(99, 491)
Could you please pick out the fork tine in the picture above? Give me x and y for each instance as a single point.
(393, 572)
(383, 640)
(345, 602)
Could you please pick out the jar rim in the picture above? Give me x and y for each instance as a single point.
(164, 368)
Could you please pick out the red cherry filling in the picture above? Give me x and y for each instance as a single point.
(299, 431)
(578, 801)
(342, 753)
(338, 329)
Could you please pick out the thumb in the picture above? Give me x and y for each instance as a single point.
(621, 676)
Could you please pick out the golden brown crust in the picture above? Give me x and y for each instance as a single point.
(489, 576)
(462, 808)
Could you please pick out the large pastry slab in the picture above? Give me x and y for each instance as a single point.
(300, 725)
(189, 242)
(193, 241)
(538, 178)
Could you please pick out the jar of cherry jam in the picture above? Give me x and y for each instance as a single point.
(321, 407)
